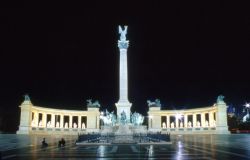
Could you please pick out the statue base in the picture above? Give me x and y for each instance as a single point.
(123, 106)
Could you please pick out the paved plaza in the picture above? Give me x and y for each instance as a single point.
(183, 147)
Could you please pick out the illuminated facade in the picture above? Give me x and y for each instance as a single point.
(42, 120)
(206, 120)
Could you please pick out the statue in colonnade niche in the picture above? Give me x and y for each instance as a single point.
(83, 125)
(181, 124)
(74, 125)
(189, 124)
(66, 125)
(206, 123)
(213, 123)
(93, 104)
(48, 124)
(33, 123)
(57, 125)
(40, 123)
(172, 125)
(164, 125)
(198, 124)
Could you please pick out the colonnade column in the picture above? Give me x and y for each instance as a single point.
(185, 120)
(36, 119)
(176, 122)
(203, 119)
(79, 122)
(44, 120)
(194, 120)
(168, 121)
(61, 121)
(98, 121)
(53, 120)
(70, 121)
(211, 119)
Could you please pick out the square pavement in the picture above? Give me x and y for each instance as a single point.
(200, 147)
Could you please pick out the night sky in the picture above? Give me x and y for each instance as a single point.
(184, 53)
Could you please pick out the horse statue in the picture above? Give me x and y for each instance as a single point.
(109, 118)
(156, 103)
(137, 119)
(150, 103)
(26, 97)
(93, 104)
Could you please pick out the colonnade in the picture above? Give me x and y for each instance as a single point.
(41, 120)
(212, 119)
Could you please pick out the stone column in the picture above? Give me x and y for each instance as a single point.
(123, 104)
(44, 120)
(52, 120)
(185, 120)
(70, 121)
(211, 119)
(97, 121)
(194, 120)
(203, 119)
(79, 122)
(36, 119)
(61, 121)
(168, 121)
(176, 122)
(149, 121)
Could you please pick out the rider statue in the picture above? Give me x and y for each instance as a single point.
(93, 104)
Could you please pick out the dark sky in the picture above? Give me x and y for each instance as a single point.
(185, 53)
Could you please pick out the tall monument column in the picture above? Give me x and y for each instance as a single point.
(123, 105)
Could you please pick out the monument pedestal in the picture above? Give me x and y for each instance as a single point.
(123, 130)
(222, 130)
(123, 106)
(23, 130)
(221, 118)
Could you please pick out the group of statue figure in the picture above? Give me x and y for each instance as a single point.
(189, 124)
(50, 125)
(157, 102)
(110, 119)
(137, 119)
